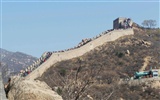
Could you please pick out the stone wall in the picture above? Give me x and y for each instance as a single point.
(111, 36)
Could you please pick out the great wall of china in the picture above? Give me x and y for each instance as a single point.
(57, 57)
(60, 56)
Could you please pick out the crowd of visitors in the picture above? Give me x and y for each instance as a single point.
(85, 41)
(46, 55)
(41, 60)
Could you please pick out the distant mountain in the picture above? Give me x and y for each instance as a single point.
(15, 61)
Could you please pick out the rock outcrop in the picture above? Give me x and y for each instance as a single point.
(21, 89)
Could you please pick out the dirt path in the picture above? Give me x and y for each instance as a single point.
(146, 61)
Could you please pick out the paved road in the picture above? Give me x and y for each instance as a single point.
(139, 81)
(2, 93)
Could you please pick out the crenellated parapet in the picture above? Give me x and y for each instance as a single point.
(79, 51)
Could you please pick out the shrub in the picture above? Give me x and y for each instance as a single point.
(59, 91)
(62, 72)
(120, 63)
(119, 54)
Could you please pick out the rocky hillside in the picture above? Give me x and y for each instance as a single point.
(21, 89)
(16, 60)
(13, 62)
(96, 74)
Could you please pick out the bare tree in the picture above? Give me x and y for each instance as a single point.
(75, 84)
(153, 23)
(145, 23)
(149, 23)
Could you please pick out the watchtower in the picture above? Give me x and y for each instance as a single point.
(122, 22)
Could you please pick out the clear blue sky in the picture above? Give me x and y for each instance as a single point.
(35, 27)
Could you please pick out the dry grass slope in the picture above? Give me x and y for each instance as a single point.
(95, 75)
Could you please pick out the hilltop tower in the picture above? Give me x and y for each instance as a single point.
(122, 22)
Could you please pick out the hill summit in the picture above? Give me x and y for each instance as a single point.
(96, 74)
(94, 69)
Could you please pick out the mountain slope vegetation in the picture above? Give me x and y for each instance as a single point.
(16, 60)
(96, 74)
